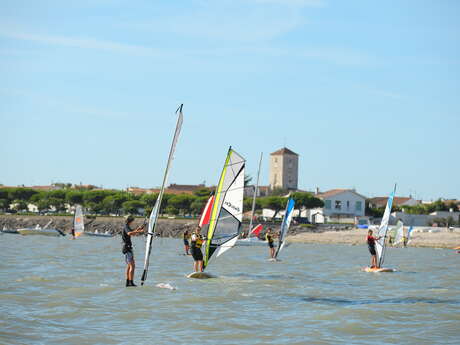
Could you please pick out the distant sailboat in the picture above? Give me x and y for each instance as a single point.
(78, 221)
(227, 211)
(38, 230)
(380, 244)
(156, 209)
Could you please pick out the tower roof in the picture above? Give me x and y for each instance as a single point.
(283, 151)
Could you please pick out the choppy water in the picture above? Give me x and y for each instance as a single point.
(58, 291)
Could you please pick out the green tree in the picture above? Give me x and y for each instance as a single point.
(57, 203)
(74, 197)
(275, 203)
(133, 206)
(21, 193)
(181, 202)
(306, 200)
(4, 193)
(57, 194)
(4, 204)
(202, 192)
(150, 199)
(278, 191)
(198, 204)
(20, 205)
(43, 205)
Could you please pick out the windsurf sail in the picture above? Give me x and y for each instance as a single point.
(156, 209)
(206, 215)
(257, 229)
(285, 225)
(408, 233)
(380, 243)
(399, 233)
(227, 209)
(256, 190)
(78, 221)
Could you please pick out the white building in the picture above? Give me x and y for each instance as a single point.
(339, 205)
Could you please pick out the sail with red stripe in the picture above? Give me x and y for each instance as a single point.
(206, 215)
(257, 229)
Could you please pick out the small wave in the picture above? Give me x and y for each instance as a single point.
(403, 300)
(166, 286)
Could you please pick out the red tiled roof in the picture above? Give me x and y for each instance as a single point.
(283, 151)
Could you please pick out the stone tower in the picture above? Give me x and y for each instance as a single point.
(284, 169)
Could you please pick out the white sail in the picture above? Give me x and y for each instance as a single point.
(380, 243)
(399, 232)
(78, 221)
(227, 210)
(156, 209)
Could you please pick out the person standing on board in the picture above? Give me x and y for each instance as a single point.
(371, 245)
(72, 232)
(197, 242)
(128, 248)
(271, 246)
(186, 244)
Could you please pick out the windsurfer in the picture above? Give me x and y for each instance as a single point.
(72, 232)
(371, 245)
(196, 243)
(186, 236)
(271, 247)
(128, 248)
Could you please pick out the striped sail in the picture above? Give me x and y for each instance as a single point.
(409, 233)
(380, 243)
(227, 209)
(285, 224)
(156, 209)
(78, 221)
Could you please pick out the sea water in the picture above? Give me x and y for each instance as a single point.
(62, 291)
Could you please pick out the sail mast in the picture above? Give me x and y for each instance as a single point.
(156, 209)
(254, 197)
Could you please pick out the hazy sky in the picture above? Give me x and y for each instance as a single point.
(367, 92)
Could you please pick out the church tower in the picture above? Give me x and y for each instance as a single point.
(284, 169)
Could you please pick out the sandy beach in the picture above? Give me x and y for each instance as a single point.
(437, 238)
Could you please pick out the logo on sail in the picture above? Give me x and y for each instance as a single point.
(233, 207)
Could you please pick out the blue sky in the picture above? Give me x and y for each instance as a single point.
(366, 92)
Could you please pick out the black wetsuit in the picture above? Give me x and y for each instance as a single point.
(269, 239)
(195, 247)
(127, 244)
(371, 244)
(185, 236)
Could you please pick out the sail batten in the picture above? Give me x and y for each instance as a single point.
(156, 209)
(227, 208)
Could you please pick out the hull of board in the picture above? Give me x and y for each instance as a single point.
(200, 275)
(377, 270)
(252, 241)
(10, 231)
(42, 232)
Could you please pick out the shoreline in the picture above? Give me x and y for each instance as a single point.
(442, 239)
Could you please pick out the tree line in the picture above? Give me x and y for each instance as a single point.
(115, 202)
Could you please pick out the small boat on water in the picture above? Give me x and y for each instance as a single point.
(98, 234)
(9, 231)
(38, 230)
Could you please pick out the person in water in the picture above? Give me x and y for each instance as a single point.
(271, 246)
(371, 245)
(196, 243)
(186, 236)
(128, 248)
